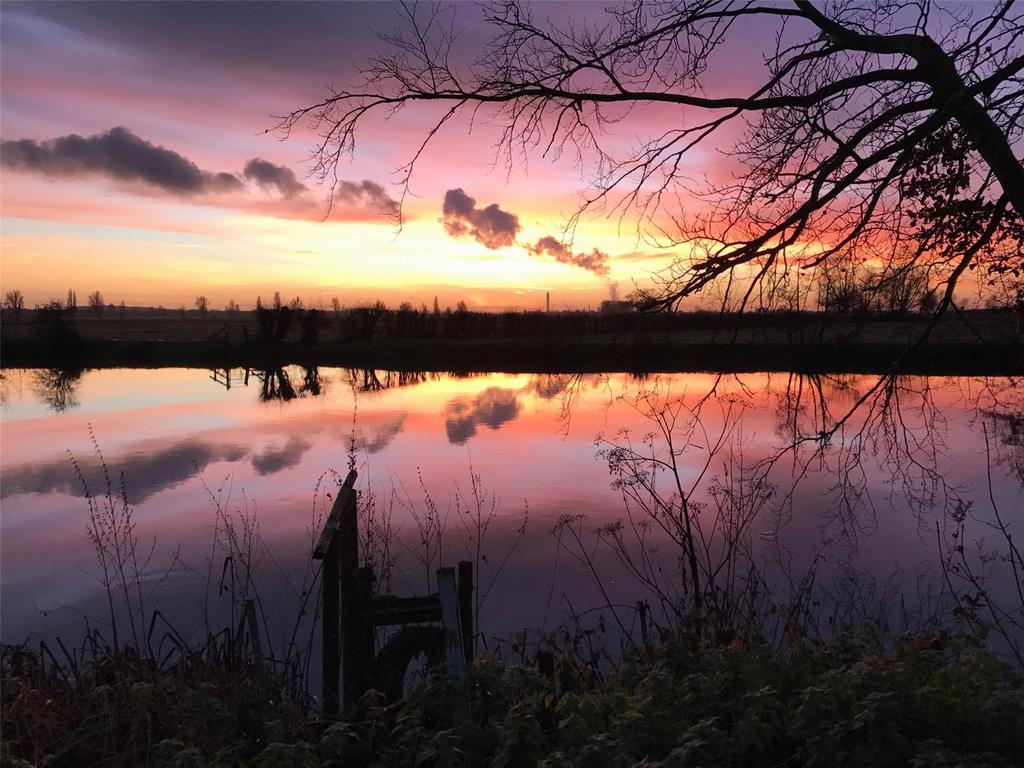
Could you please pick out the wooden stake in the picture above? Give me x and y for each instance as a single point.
(466, 608)
(454, 650)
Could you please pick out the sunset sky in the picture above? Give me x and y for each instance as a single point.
(140, 158)
(131, 131)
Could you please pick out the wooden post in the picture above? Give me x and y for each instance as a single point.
(247, 621)
(328, 549)
(454, 651)
(331, 635)
(348, 557)
(466, 616)
(645, 635)
(360, 660)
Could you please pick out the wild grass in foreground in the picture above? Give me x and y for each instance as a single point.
(934, 701)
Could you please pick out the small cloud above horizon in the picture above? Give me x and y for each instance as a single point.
(490, 226)
(595, 261)
(495, 228)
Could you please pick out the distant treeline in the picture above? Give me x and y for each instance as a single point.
(379, 322)
(407, 338)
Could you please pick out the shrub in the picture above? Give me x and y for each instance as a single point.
(921, 704)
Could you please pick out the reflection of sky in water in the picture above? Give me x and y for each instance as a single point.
(531, 439)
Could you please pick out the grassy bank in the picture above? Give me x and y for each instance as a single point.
(986, 345)
(927, 702)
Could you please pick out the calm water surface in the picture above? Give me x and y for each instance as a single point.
(272, 444)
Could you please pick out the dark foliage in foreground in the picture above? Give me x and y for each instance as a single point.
(926, 702)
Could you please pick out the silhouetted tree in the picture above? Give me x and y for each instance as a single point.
(311, 322)
(841, 290)
(876, 129)
(71, 305)
(274, 323)
(901, 288)
(14, 302)
(53, 325)
(202, 305)
(96, 303)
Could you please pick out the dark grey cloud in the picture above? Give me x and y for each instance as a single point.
(271, 460)
(117, 154)
(491, 408)
(596, 261)
(491, 226)
(365, 194)
(145, 473)
(271, 176)
(121, 155)
(496, 228)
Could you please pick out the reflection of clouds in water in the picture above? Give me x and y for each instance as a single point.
(144, 473)
(377, 438)
(271, 460)
(492, 408)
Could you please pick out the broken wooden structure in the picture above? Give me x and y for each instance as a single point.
(352, 613)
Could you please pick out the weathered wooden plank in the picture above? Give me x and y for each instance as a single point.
(341, 500)
(454, 652)
(466, 608)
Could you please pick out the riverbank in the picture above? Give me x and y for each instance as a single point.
(980, 342)
(934, 701)
(633, 354)
(539, 355)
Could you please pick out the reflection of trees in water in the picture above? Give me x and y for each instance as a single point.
(1008, 432)
(5, 389)
(851, 428)
(371, 380)
(275, 384)
(311, 383)
(548, 386)
(691, 479)
(57, 388)
(568, 388)
(999, 403)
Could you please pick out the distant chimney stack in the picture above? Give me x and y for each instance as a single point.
(547, 302)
